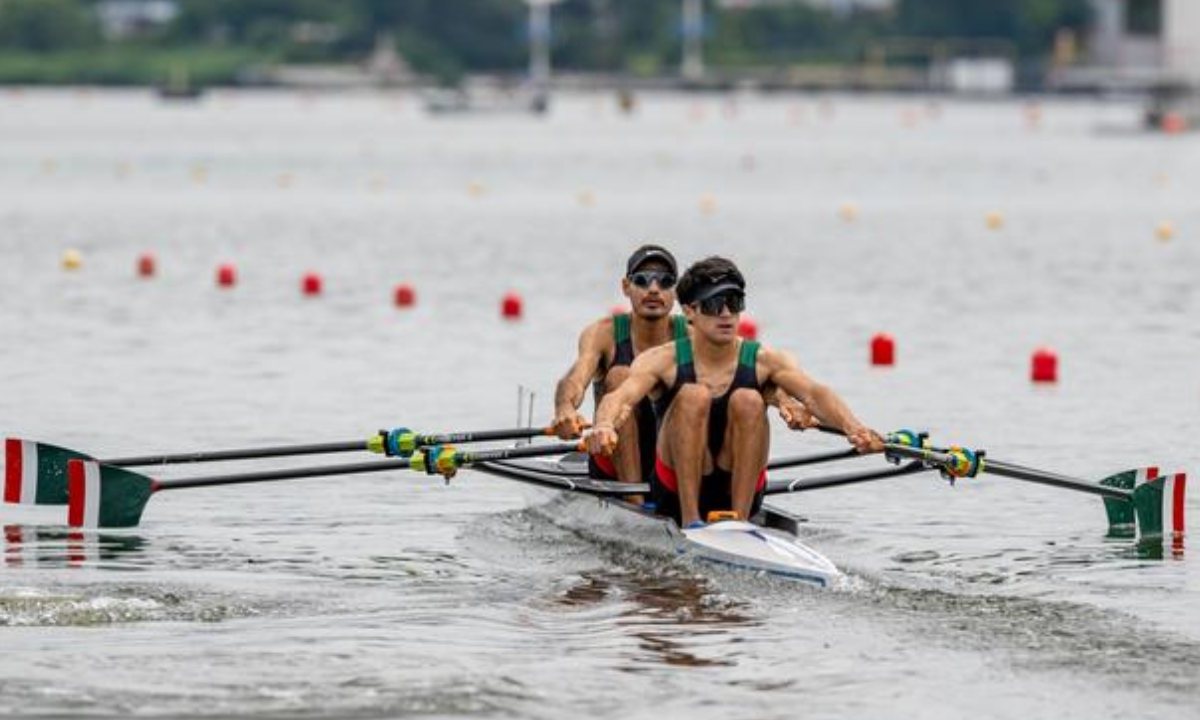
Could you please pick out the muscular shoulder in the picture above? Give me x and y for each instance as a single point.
(598, 335)
(774, 359)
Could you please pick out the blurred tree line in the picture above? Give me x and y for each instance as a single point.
(445, 38)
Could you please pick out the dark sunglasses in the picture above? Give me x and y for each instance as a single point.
(736, 302)
(645, 278)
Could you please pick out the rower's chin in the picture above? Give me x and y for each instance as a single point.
(652, 311)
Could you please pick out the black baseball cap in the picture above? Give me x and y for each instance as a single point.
(645, 254)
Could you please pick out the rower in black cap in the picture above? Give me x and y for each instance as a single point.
(711, 391)
(607, 348)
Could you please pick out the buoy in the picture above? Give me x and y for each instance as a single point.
(883, 350)
(311, 284)
(994, 220)
(1174, 123)
(586, 198)
(476, 189)
(284, 180)
(72, 260)
(405, 296)
(226, 275)
(618, 310)
(1043, 367)
(146, 265)
(1165, 231)
(848, 212)
(511, 306)
(708, 204)
(747, 328)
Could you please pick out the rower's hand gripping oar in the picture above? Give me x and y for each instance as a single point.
(106, 496)
(36, 473)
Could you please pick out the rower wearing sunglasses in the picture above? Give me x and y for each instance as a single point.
(608, 346)
(709, 393)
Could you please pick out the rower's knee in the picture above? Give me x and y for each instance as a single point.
(746, 404)
(614, 377)
(692, 402)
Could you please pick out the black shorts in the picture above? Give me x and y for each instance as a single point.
(716, 493)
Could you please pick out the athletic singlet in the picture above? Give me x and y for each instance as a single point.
(647, 423)
(746, 376)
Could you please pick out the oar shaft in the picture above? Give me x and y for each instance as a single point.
(812, 459)
(1018, 472)
(850, 478)
(240, 454)
(289, 474)
(363, 467)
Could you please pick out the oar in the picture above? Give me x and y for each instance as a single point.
(1137, 498)
(36, 473)
(108, 496)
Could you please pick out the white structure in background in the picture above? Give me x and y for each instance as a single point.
(1153, 40)
(692, 28)
(976, 76)
(539, 50)
(121, 19)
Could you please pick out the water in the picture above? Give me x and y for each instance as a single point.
(383, 596)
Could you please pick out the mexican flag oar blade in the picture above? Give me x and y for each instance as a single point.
(1159, 505)
(106, 496)
(1122, 515)
(36, 473)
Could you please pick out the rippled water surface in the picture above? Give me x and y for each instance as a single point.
(394, 595)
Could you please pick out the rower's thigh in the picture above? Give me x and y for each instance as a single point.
(748, 416)
(685, 424)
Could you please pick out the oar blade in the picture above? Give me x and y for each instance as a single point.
(1122, 514)
(103, 496)
(35, 473)
(1159, 503)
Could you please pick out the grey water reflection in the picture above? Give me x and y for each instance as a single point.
(47, 546)
(666, 613)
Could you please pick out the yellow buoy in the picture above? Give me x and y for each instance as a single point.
(199, 174)
(1165, 231)
(848, 212)
(994, 220)
(586, 199)
(72, 260)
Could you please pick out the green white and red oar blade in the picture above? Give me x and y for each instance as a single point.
(36, 473)
(110, 497)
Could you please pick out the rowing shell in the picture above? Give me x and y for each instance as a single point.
(769, 543)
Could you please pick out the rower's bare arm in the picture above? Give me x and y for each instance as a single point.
(572, 388)
(645, 373)
(792, 411)
(821, 400)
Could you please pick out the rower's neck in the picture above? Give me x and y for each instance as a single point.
(710, 353)
(650, 332)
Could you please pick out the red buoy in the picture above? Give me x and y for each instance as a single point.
(618, 310)
(405, 295)
(883, 349)
(1043, 367)
(146, 265)
(310, 284)
(747, 328)
(511, 306)
(226, 275)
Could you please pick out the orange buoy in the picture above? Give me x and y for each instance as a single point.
(747, 328)
(1174, 123)
(618, 310)
(1043, 366)
(146, 265)
(405, 296)
(883, 350)
(511, 306)
(311, 284)
(226, 275)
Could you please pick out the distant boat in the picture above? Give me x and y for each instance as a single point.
(460, 101)
(179, 86)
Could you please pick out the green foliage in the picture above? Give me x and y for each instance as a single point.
(46, 25)
(446, 38)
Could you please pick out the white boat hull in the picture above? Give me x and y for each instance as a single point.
(749, 546)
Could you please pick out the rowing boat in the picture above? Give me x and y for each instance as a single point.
(769, 543)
